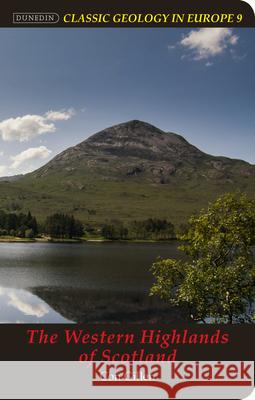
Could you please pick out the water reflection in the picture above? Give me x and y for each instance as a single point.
(108, 306)
(20, 306)
(91, 282)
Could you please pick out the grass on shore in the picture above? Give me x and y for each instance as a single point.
(15, 239)
(91, 239)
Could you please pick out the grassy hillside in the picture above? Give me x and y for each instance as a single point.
(129, 171)
(100, 200)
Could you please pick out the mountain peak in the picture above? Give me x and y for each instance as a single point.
(137, 149)
(126, 129)
(138, 139)
(137, 124)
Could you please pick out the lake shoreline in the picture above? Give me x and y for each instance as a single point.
(81, 241)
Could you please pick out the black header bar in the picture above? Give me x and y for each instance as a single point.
(119, 14)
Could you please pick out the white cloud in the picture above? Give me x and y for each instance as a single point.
(233, 39)
(63, 115)
(205, 43)
(32, 125)
(1, 153)
(38, 310)
(3, 170)
(25, 302)
(25, 128)
(236, 56)
(30, 154)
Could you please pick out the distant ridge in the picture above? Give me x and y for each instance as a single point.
(11, 178)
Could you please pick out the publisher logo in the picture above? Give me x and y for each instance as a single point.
(35, 18)
(189, 380)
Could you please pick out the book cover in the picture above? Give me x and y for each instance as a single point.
(127, 199)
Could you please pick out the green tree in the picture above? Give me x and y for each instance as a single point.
(29, 233)
(114, 230)
(153, 228)
(16, 224)
(216, 279)
(63, 226)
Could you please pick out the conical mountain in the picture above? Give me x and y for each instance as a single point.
(136, 149)
(129, 171)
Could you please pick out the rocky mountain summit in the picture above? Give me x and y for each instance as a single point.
(138, 150)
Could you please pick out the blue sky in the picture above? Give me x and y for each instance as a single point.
(58, 86)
